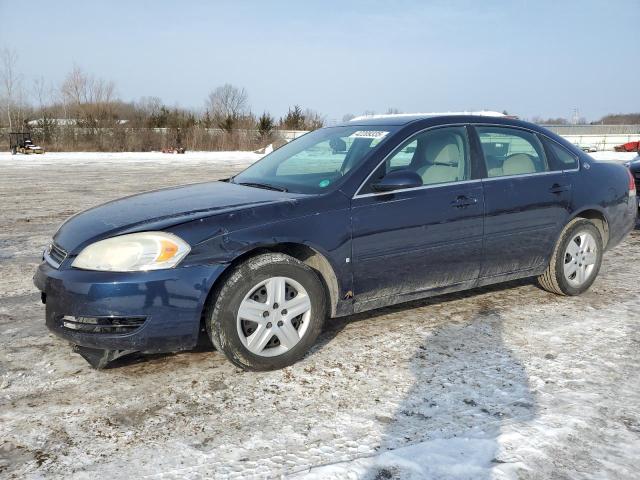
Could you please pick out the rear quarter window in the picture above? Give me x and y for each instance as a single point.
(561, 158)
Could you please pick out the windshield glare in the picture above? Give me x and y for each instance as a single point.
(315, 162)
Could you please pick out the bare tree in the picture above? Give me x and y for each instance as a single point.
(313, 120)
(10, 81)
(620, 119)
(92, 99)
(227, 102)
(74, 87)
(43, 94)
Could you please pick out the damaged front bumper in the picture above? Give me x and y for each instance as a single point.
(150, 312)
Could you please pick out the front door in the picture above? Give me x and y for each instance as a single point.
(424, 238)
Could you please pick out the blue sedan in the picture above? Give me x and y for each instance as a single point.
(373, 212)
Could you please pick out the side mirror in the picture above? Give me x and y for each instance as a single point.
(398, 180)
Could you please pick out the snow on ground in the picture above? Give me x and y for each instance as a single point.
(229, 158)
(501, 382)
(116, 158)
(614, 156)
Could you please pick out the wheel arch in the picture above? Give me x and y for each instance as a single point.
(306, 254)
(599, 219)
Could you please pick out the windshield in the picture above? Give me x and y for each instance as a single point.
(314, 162)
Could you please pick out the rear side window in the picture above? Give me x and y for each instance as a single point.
(563, 159)
(509, 151)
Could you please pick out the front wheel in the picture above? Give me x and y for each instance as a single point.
(268, 313)
(576, 259)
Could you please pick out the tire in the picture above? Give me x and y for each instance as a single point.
(13, 151)
(569, 254)
(256, 282)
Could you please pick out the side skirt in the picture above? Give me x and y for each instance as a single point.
(386, 301)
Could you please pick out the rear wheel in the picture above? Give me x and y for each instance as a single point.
(576, 259)
(268, 312)
(13, 150)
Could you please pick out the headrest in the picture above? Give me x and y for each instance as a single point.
(518, 164)
(442, 149)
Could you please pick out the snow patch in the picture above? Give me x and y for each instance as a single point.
(614, 156)
(115, 158)
(459, 458)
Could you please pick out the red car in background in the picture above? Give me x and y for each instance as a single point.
(628, 147)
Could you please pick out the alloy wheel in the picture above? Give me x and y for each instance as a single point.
(580, 258)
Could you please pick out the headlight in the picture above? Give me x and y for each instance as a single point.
(133, 252)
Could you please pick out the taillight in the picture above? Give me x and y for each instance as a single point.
(632, 184)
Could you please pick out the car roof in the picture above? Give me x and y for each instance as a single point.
(398, 119)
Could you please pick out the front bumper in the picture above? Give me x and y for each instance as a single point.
(170, 302)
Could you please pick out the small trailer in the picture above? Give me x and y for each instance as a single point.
(20, 142)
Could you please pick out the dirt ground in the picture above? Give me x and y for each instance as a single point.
(501, 382)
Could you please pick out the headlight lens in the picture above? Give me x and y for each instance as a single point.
(134, 252)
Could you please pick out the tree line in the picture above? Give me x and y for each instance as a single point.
(84, 112)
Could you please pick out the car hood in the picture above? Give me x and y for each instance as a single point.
(160, 209)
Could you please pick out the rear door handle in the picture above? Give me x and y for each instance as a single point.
(557, 188)
(463, 201)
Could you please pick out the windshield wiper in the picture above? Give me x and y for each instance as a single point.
(266, 186)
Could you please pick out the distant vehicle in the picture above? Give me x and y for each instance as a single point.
(173, 150)
(634, 167)
(177, 147)
(589, 148)
(20, 142)
(628, 147)
(414, 206)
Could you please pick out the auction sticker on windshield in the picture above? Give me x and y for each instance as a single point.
(376, 135)
(368, 134)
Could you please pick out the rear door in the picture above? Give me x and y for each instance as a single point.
(423, 238)
(526, 201)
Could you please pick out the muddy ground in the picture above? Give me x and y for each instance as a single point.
(509, 381)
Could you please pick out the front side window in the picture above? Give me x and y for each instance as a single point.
(315, 162)
(438, 155)
(510, 151)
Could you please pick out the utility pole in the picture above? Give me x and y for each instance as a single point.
(575, 119)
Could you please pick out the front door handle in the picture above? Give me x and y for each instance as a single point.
(462, 201)
(557, 188)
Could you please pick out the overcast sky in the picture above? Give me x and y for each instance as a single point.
(531, 58)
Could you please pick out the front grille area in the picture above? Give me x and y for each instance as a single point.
(98, 325)
(56, 255)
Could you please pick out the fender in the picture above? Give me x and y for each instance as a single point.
(291, 236)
